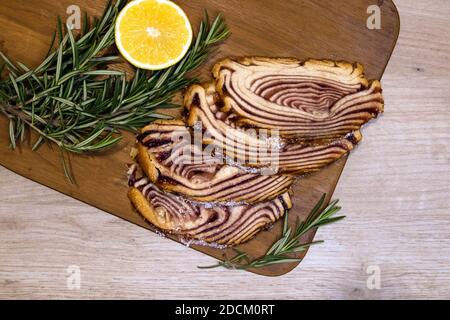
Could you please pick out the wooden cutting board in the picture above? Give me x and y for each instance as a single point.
(310, 28)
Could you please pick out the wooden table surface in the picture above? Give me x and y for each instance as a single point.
(395, 191)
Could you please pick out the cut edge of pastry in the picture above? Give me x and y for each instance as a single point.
(324, 65)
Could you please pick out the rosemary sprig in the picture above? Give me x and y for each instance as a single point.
(76, 101)
(289, 243)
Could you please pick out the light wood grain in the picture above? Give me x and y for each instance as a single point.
(395, 191)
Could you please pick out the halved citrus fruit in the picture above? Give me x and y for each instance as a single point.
(153, 34)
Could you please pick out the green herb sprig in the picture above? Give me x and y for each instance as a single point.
(289, 243)
(76, 101)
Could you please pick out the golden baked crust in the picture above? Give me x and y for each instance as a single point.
(147, 163)
(146, 210)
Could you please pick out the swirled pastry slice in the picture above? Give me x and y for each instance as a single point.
(310, 100)
(223, 225)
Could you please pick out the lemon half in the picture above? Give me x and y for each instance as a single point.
(153, 34)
